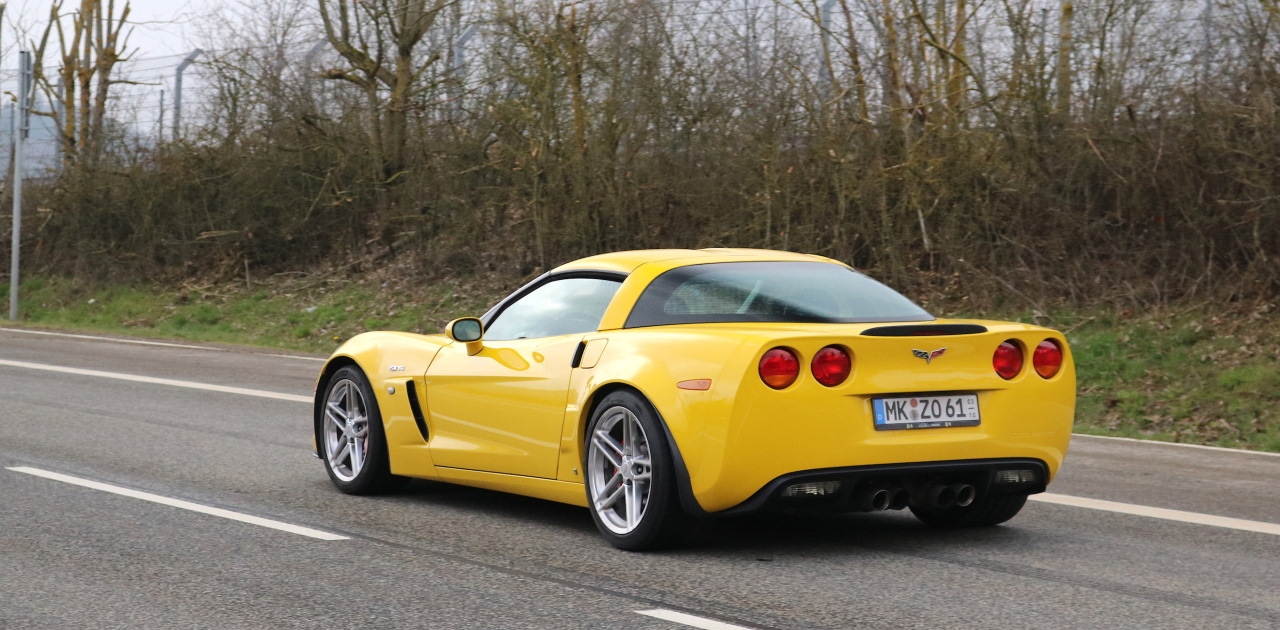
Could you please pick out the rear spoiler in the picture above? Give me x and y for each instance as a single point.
(924, 330)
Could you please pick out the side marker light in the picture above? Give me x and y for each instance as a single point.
(697, 385)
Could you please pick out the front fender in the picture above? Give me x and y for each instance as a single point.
(396, 365)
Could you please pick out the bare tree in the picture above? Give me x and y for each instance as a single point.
(1096, 151)
(95, 44)
(379, 39)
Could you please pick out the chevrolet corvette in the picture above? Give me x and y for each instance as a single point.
(663, 388)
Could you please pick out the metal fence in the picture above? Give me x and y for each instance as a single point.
(763, 41)
(144, 108)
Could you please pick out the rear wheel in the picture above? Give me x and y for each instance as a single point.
(353, 444)
(986, 510)
(630, 476)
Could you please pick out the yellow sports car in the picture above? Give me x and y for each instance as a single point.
(661, 388)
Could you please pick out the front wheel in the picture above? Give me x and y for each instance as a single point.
(352, 442)
(630, 476)
(983, 512)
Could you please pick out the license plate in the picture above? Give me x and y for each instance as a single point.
(925, 412)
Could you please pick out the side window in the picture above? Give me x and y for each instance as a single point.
(559, 307)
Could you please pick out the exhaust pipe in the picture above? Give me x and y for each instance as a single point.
(899, 499)
(871, 499)
(964, 493)
(940, 496)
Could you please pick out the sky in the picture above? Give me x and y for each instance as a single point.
(163, 32)
(160, 27)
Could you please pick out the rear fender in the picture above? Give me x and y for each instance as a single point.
(653, 364)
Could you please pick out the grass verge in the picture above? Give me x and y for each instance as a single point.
(1203, 375)
(312, 314)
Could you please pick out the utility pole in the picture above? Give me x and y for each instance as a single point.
(1044, 26)
(21, 126)
(1207, 53)
(825, 18)
(160, 118)
(177, 92)
(1066, 46)
(752, 66)
(309, 66)
(459, 68)
(309, 60)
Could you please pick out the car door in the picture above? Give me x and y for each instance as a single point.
(501, 410)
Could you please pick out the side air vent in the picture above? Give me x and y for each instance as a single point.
(411, 391)
(924, 330)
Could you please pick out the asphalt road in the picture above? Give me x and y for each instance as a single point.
(437, 556)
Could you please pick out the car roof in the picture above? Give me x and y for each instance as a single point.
(628, 261)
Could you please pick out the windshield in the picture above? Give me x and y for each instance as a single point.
(792, 292)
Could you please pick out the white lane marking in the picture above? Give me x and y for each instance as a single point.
(1182, 444)
(148, 343)
(689, 620)
(302, 358)
(178, 503)
(113, 339)
(1161, 513)
(158, 381)
(293, 356)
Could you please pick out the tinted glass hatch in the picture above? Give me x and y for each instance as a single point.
(787, 292)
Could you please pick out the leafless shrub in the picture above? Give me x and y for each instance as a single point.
(1017, 152)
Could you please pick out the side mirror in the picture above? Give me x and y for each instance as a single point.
(466, 330)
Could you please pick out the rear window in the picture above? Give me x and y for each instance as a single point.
(790, 292)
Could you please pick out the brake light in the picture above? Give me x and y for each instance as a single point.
(831, 366)
(1047, 358)
(1007, 360)
(779, 368)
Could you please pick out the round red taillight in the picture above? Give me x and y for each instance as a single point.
(779, 368)
(831, 366)
(1047, 358)
(1007, 360)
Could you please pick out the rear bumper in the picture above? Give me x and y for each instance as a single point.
(766, 438)
(910, 478)
(741, 440)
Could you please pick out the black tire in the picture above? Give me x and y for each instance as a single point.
(661, 522)
(370, 471)
(985, 511)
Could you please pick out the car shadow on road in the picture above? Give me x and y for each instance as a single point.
(493, 505)
(764, 534)
(855, 533)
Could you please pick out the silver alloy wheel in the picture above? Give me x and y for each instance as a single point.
(346, 430)
(619, 470)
